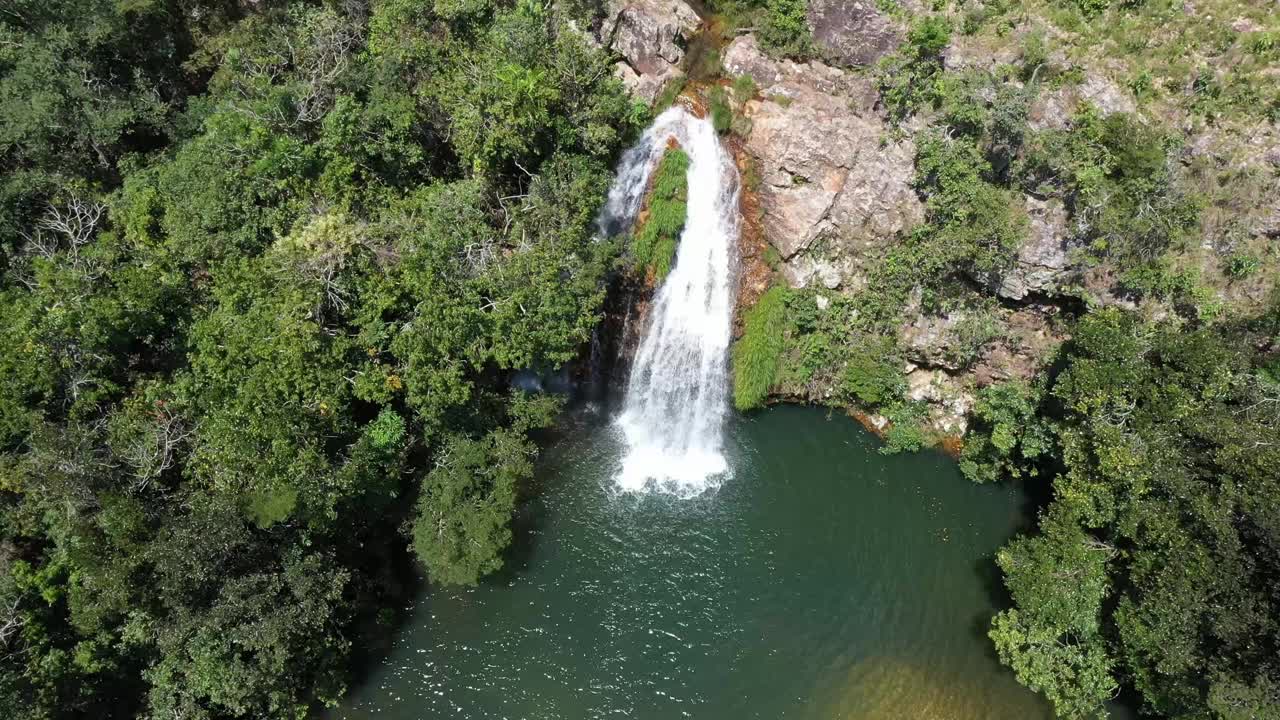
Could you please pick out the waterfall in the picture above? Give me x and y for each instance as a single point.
(677, 395)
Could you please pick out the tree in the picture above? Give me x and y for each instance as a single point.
(464, 515)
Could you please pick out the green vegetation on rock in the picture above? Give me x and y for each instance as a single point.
(758, 353)
(656, 240)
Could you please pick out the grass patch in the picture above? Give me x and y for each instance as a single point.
(757, 357)
(654, 246)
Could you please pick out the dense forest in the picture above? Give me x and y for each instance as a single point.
(267, 269)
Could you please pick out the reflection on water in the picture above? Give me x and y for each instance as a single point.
(824, 580)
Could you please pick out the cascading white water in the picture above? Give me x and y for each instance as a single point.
(677, 395)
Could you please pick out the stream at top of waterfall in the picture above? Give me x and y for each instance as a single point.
(821, 580)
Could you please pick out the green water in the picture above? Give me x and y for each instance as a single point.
(823, 580)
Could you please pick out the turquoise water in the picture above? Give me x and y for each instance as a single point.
(822, 580)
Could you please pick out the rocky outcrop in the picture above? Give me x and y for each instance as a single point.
(1053, 109)
(949, 400)
(835, 186)
(932, 340)
(852, 32)
(1042, 265)
(651, 36)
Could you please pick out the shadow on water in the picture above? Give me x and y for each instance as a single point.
(383, 615)
(526, 527)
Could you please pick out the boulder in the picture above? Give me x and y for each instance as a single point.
(651, 36)
(1042, 265)
(835, 186)
(852, 32)
(1106, 95)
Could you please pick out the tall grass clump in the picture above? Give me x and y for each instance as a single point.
(757, 357)
(654, 247)
(721, 111)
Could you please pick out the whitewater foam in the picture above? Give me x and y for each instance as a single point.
(676, 400)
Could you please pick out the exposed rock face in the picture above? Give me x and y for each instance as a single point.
(964, 53)
(1042, 265)
(949, 401)
(651, 36)
(832, 179)
(1054, 109)
(930, 340)
(852, 32)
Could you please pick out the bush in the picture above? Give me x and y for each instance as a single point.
(784, 30)
(907, 431)
(1243, 265)
(909, 78)
(757, 356)
(1114, 174)
(872, 376)
(1007, 437)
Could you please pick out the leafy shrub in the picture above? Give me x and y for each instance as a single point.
(1006, 438)
(1092, 7)
(974, 331)
(973, 225)
(1035, 54)
(654, 247)
(907, 431)
(1243, 265)
(872, 375)
(464, 515)
(757, 355)
(909, 78)
(1114, 175)
(784, 30)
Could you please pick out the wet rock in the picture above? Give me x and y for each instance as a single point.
(651, 36)
(852, 32)
(1042, 265)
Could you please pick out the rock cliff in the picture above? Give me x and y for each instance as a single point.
(651, 37)
(835, 186)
